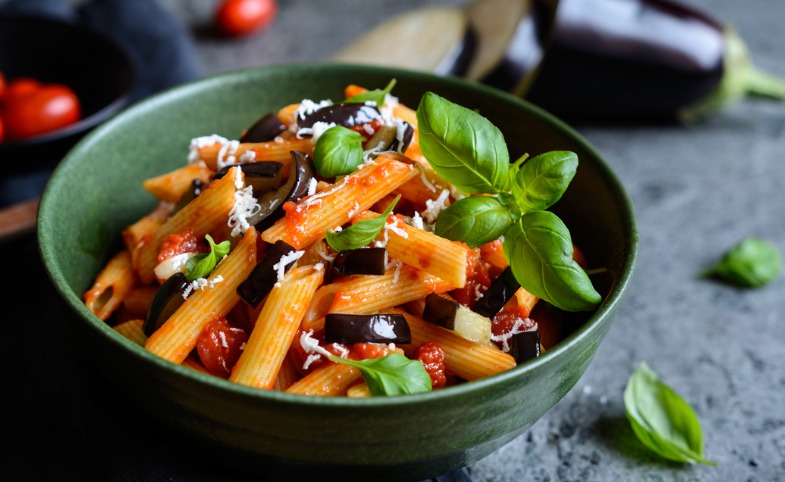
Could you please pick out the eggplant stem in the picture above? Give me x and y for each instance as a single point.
(741, 78)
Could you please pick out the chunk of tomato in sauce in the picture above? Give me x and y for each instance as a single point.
(180, 243)
(477, 280)
(431, 356)
(220, 345)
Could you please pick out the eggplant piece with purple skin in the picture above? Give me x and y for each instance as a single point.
(378, 328)
(525, 346)
(447, 312)
(367, 261)
(502, 289)
(263, 175)
(167, 299)
(264, 275)
(295, 187)
(342, 114)
(643, 60)
(267, 128)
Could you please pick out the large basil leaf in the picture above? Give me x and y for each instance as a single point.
(540, 250)
(361, 233)
(462, 146)
(474, 220)
(393, 374)
(750, 263)
(542, 180)
(338, 151)
(661, 419)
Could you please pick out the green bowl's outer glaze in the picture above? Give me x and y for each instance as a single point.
(96, 192)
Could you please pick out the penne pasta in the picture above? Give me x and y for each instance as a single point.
(217, 153)
(172, 185)
(111, 286)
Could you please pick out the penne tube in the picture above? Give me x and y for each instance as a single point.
(132, 329)
(358, 390)
(206, 213)
(111, 286)
(288, 114)
(287, 375)
(423, 188)
(278, 150)
(194, 363)
(423, 250)
(175, 339)
(493, 253)
(329, 380)
(266, 349)
(143, 231)
(525, 300)
(462, 357)
(307, 220)
(172, 185)
(139, 299)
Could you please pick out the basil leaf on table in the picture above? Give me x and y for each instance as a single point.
(393, 374)
(202, 264)
(338, 151)
(475, 220)
(542, 180)
(752, 262)
(540, 252)
(359, 234)
(375, 95)
(462, 146)
(661, 419)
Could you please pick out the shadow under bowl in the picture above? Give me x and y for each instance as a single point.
(291, 437)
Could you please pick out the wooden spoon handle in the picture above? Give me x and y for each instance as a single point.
(18, 220)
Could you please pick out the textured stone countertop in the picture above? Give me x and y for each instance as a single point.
(696, 190)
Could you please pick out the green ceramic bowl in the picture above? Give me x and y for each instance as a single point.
(96, 191)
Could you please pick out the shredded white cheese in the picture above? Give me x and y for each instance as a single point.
(248, 156)
(204, 141)
(312, 186)
(245, 206)
(280, 266)
(311, 346)
(434, 207)
(417, 221)
(200, 284)
(504, 338)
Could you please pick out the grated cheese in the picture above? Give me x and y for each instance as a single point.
(245, 206)
(417, 221)
(312, 186)
(504, 338)
(200, 284)
(280, 266)
(203, 141)
(434, 207)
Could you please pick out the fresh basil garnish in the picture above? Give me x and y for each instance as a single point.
(393, 374)
(470, 153)
(202, 264)
(540, 181)
(751, 263)
(361, 233)
(540, 252)
(462, 146)
(661, 419)
(476, 220)
(375, 95)
(338, 151)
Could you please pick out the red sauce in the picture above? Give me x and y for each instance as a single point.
(219, 346)
(179, 243)
(477, 280)
(432, 357)
(504, 321)
(362, 351)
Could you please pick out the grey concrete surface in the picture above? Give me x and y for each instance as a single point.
(697, 190)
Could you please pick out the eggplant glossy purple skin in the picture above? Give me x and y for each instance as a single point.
(263, 277)
(262, 175)
(167, 299)
(378, 328)
(295, 187)
(408, 133)
(264, 130)
(525, 346)
(636, 60)
(502, 289)
(440, 310)
(360, 261)
(342, 114)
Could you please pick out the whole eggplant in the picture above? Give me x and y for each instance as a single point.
(643, 60)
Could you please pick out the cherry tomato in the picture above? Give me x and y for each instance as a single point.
(49, 108)
(20, 88)
(219, 346)
(238, 18)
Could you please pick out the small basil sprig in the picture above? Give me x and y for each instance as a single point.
(202, 264)
(338, 151)
(751, 263)
(661, 419)
(375, 95)
(361, 233)
(393, 374)
(469, 152)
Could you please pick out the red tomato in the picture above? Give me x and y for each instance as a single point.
(19, 88)
(238, 18)
(49, 108)
(2, 130)
(219, 346)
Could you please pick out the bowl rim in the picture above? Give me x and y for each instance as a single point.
(590, 325)
(97, 117)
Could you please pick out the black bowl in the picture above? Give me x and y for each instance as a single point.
(98, 70)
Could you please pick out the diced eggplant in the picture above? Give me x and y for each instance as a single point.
(502, 289)
(295, 187)
(263, 175)
(446, 312)
(167, 299)
(263, 277)
(265, 129)
(196, 189)
(434, 39)
(401, 144)
(342, 114)
(378, 328)
(525, 346)
(359, 261)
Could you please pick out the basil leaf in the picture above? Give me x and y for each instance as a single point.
(462, 146)
(201, 265)
(393, 374)
(474, 220)
(750, 263)
(376, 95)
(661, 419)
(540, 252)
(361, 233)
(542, 180)
(338, 151)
